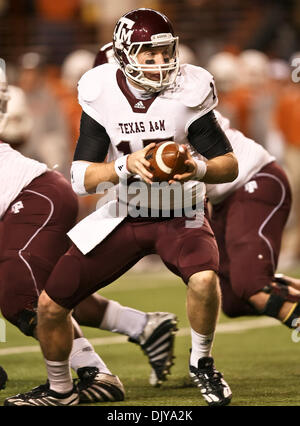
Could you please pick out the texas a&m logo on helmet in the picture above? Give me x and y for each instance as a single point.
(123, 33)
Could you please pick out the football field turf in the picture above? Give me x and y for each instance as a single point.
(257, 356)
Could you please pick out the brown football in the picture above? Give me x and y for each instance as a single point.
(166, 160)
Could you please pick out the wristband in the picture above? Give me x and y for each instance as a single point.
(201, 169)
(121, 167)
(78, 170)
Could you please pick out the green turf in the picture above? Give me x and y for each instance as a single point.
(261, 365)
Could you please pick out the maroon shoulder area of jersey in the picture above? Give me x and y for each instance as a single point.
(137, 105)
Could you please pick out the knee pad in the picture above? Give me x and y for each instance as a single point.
(26, 321)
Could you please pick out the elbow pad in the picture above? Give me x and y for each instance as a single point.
(78, 170)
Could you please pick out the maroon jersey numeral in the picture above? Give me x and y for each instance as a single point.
(124, 146)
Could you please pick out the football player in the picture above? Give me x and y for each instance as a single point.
(37, 208)
(147, 97)
(253, 242)
(248, 218)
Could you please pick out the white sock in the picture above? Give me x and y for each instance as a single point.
(123, 320)
(201, 346)
(59, 375)
(84, 355)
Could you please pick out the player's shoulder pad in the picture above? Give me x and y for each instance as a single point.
(93, 82)
(195, 85)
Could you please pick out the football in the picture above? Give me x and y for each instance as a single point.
(166, 160)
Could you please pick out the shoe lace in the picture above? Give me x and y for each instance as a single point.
(35, 392)
(212, 379)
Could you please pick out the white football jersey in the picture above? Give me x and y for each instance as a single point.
(133, 123)
(251, 158)
(16, 172)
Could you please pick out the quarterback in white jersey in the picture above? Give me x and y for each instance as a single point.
(133, 118)
(248, 218)
(126, 110)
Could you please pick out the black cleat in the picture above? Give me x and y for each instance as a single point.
(95, 386)
(43, 396)
(157, 342)
(213, 387)
(3, 378)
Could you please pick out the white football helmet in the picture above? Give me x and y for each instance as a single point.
(145, 27)
(4, 96)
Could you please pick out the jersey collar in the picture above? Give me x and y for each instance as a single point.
(137, 105)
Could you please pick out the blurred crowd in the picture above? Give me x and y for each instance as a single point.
(255, 89)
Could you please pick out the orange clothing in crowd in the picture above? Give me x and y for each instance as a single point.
(58, 10)
(287, 114)
(236, 105)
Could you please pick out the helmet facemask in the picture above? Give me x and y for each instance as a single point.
(167, 72)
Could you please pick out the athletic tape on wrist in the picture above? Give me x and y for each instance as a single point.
(121, 167)
(201, 169)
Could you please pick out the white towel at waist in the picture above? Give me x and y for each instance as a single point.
(91, 230)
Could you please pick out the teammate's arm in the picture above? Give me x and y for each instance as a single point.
(91, 150)
(209, 140)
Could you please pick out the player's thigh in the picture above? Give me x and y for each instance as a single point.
(255, 222)
(76, 276)
(186, 251)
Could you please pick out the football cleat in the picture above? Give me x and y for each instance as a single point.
(3, 378)
(44, 396)
(213, 387)
(95, 386)
(157, 343)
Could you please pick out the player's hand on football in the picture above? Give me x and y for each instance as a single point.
(137, 163)
(190, 168)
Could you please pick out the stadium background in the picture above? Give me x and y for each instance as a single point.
(249, 46)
